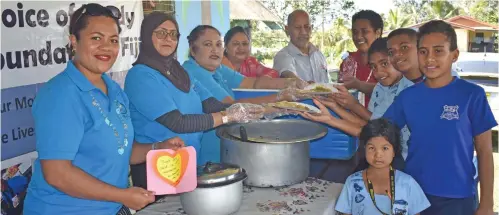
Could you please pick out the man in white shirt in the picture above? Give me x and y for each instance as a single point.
(300, 58)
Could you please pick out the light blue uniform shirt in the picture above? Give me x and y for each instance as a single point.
(382, 97)
(153, 95)
(355, 198)
(69, 126)
(220, 84)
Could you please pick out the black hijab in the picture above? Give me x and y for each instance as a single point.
(168, 66)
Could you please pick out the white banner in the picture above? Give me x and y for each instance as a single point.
(34, 37)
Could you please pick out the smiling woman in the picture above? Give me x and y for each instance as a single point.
(84, 133)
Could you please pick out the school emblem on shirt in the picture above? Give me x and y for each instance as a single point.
(359, 198)
(450, 112)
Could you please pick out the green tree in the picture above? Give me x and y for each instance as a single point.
(316, 9)
(396, 19)
(415, 9)
(441, 9)
(485, 10)
(337, 40)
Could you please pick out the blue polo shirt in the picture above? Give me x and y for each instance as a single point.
(153, 95)
(443, 122)
(69, 126)
(220, 82)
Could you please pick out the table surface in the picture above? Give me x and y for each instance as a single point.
(313, 196)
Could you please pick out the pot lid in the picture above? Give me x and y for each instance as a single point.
(278, 131)
(218, 174)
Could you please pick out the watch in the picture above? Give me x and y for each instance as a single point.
(155, 145)
(225, 118)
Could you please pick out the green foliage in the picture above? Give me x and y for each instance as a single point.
(337, 40)
(330, 9)
(423, 10)
(396, 19)
(441, 9)
(485, 10)
(269, 39)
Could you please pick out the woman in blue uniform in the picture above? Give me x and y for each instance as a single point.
(84, 134)
(165, 101)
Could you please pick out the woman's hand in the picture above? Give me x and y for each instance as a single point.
(244, 112)
(344, 98)
(137, 198)
(172, 143)
(323, 117)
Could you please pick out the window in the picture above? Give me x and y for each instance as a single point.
(165, 6)
(479, 37)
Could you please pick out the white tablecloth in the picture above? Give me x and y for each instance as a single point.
(313, 196)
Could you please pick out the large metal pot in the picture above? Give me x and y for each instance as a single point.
(273, 153)
(219, 190)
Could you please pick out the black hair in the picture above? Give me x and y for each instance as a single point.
(379, 45)
(196, 33)
(373, 18)
(233, 31)
(382, 128)
(411, 33)
(79, 19)
(439, 26)
(292, 15)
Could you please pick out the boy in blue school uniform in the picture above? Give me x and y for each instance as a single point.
(447, 117)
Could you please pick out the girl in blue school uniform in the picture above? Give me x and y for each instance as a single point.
(448, 118)
(380, 189)
(84, 134)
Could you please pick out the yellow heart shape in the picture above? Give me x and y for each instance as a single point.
(170, 167)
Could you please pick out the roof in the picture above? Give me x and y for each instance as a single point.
(464, 22)
(251, 10)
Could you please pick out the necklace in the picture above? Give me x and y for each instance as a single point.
(392, 190)
(119, 110)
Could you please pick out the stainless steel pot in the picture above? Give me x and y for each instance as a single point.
(273, 153)
(219, 190)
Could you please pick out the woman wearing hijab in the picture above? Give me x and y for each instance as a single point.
(165, 101)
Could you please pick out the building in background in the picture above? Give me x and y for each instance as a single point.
(472, 35)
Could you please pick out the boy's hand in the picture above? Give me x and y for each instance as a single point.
(484, 211)
(323, 117)
(351, 82)
(345, 99)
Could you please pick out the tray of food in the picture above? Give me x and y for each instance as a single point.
(295, 106)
